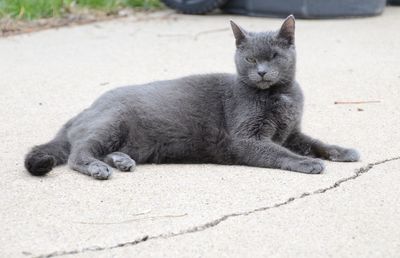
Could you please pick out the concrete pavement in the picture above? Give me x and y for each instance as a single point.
(203, 210)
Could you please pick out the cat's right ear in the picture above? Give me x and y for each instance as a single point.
(239, 33)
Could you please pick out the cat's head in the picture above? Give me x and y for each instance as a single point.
(265, 59)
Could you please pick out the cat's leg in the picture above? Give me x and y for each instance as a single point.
(305, 145)
(83, 158)
(270, 155)
(121, 161)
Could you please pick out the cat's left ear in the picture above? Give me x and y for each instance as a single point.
(287, 29)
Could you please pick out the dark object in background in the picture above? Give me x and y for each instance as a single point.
(306, 8)
(280, 8)
(194, 6)
(394, 2)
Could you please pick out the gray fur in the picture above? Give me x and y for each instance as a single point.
(251, 118)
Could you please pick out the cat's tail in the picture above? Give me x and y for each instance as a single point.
(43, 158)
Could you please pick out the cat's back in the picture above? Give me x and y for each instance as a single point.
(196, 91)
(188, 86)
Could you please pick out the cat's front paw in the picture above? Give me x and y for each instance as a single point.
(308, 166)
(340, 154)
(99, 170)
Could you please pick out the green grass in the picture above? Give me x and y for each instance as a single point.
(34, 9)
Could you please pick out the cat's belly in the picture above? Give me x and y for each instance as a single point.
(197, 146)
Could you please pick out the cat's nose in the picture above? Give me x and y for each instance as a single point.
(262, 73)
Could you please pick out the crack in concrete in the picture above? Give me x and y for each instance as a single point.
(215, 222)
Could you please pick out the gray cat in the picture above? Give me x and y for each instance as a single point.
(251, 118)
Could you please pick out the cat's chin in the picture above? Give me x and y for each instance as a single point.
(262, 85)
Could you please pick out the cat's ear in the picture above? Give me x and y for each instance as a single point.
(287, 29)
(239, 33)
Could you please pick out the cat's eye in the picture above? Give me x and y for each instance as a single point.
(251, 60)
(274, 55)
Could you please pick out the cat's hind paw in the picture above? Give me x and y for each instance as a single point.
(121, 161)
(125, 164)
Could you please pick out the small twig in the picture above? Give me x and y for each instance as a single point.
(142, 213)
(172, 35)
(197, 35)
(132, 220)
(357, 102)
